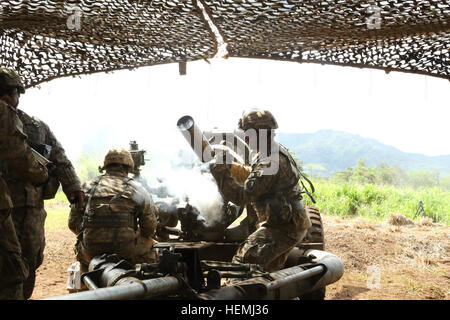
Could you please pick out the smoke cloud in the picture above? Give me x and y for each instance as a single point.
(184, 179)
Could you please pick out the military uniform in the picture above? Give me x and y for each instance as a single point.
(119, 217)
(276, 199)
(28, 199)
(15, 156)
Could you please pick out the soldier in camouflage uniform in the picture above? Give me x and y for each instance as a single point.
(28, 200)
(15, 156)
(118, 216)
(276, 198)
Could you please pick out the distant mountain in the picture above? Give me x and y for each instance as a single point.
(336, 151)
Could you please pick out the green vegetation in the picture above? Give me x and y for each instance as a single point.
(60, 197)
(376, 202)
(87, 166)
(376, 192)
(57, 219)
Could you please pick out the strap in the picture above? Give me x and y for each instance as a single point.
(301, 175)
(91, 194)
(116, 221)
(125, 181)
(95, 183)
(305, 190)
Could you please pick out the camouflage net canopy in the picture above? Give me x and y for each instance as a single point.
(43, 40)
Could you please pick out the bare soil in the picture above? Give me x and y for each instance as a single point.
(412, 260)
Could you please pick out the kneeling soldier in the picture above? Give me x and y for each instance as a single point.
(118, 216)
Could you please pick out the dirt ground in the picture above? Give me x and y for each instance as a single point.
(382, 260)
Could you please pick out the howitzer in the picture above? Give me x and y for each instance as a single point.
(138, 158)
(203, 148)
(184, 272)
(194, 264)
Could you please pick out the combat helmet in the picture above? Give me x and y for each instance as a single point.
(11, 78)
(118, 156)
(257, 119)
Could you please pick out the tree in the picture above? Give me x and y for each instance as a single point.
(423, 178)
(87, 166)
(343, 176)
(390, 175)
(363, 174)
(313, 168)
(445, 182)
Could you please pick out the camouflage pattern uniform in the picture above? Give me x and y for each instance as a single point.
(28, 199)
(13, 151)
(119, 217)
(276, 199)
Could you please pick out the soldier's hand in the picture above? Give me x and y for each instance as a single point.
(77, 198)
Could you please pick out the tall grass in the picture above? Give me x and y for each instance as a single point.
(57, 217)
(376, 202)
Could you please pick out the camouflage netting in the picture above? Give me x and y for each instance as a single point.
(44, 39)
(412, 36)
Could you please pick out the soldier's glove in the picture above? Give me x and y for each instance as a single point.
(77, 197)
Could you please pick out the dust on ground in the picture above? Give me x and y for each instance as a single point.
(382, 260)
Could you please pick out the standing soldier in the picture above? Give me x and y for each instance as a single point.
(28, 199)
(15, 156)
(118, 216)
(275, 196)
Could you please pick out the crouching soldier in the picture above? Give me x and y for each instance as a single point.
(118, 216)
(274, 196)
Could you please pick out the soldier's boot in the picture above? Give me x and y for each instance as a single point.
(28, 285)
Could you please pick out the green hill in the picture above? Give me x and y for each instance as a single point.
(336, 151)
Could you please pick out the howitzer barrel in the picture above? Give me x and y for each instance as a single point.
(144, 289)
(195, 138)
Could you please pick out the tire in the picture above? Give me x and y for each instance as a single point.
(315, 234)
(315, 239)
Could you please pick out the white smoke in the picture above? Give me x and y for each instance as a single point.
(187, 179)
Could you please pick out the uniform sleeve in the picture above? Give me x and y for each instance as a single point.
(13, 147)
(64, 170)
(240, 194)
(147, 214)
(75, 219)
(76, 216)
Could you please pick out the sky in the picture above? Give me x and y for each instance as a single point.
(406, 111)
